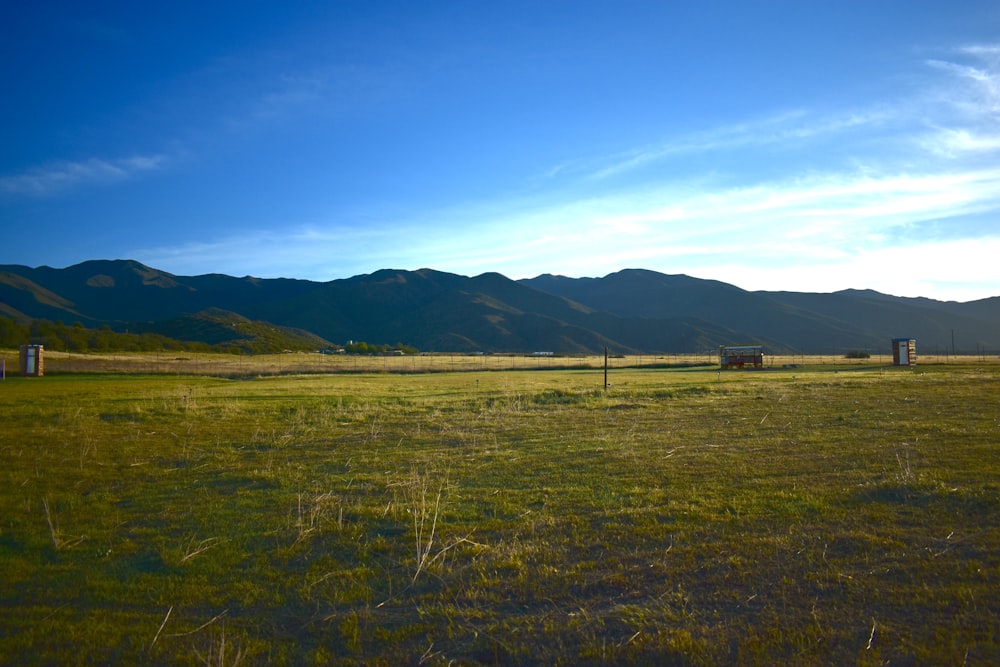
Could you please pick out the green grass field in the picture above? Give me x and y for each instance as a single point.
(824, 514)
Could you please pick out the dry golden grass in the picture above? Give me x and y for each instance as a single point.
(821, 514)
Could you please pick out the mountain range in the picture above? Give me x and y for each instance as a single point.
(630, 311)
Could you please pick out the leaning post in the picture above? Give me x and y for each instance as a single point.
(605, 368)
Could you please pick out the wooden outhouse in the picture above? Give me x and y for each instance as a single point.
(31, 360)
(904, 351)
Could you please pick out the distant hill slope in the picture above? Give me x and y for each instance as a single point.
(851, 319)
(628, 311)
(648, 294)
(223, 328)
(120, 290)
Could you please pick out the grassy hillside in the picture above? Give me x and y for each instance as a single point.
(223, 329)
(206, 331)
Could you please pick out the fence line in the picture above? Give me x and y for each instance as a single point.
(228, 365)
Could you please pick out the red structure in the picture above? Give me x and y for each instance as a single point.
(741, 356)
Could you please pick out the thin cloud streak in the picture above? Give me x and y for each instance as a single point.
(794, 126)
(975, 89)
(59, 177)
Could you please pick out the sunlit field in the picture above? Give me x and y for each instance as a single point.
(499, 510)
(241, 366)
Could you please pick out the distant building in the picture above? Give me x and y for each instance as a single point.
(904, 351)
(741, 356)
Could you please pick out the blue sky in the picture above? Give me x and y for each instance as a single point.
(806, 146)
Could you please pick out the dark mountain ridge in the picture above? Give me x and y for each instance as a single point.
(629, 311)
(845, 320)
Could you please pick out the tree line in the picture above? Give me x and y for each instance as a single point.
(361, 347)
(75, 337)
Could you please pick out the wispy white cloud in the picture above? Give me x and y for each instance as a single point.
(971, 85)
(291, 94)
(783, 129)
(954, 142)
(864, 221)
(964, 71)
(816, 233)
(813, 232)
(58, 177)
(974, 84)
(897, 221)
(963, 119)
(278, 92)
